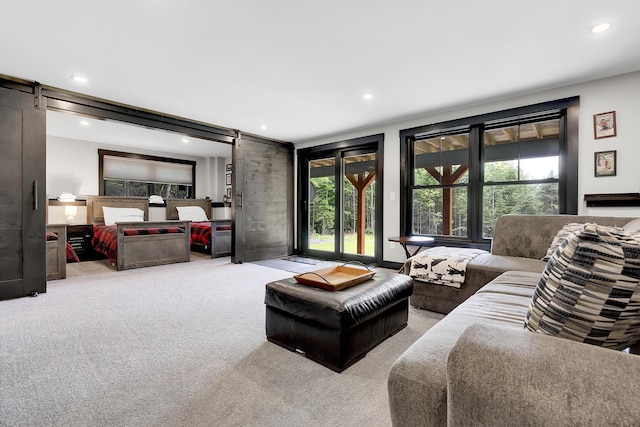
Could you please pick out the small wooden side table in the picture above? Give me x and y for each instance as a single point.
(419, 241)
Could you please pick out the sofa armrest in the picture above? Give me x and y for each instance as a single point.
(505, 376)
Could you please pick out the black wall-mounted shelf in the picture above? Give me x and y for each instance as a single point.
(612, 200)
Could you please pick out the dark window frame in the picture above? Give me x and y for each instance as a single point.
(567, 109)
(442, 158)
(102, 153)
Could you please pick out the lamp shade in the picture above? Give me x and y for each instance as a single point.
(70, 212)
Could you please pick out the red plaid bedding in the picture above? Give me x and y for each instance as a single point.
(105, 238)
(72, 256)
(201, 233)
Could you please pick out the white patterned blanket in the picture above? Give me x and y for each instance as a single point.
(443, 265)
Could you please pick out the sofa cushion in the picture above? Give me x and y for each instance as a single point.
(632, 225)
(518, 283)
(498, 264)
(590, 290)
(499, 376)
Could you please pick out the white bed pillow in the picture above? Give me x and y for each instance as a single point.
(191, 213)
(113, 215)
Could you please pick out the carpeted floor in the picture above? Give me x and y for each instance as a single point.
(176, 345)
(296, 264)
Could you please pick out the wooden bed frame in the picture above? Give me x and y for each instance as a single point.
(57, 253)
(220, 240)
(56, 250)
(142, 250)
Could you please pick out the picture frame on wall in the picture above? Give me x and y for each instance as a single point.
(228, 179)
(229, 193)
(604, 125)
(228, 167)
(605, 163)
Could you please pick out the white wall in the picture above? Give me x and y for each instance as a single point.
(619, 94)
(72, 167)
(221, 173)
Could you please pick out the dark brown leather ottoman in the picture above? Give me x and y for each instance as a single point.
(337, 328)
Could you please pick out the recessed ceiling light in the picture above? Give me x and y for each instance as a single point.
(263, 127)
(600, 28)
(185, 140)
(367, 96)
(84, 123)
(79, 79)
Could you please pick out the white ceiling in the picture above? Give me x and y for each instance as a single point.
(301, 68)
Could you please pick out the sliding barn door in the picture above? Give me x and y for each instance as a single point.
(22, 194)
(263, 203)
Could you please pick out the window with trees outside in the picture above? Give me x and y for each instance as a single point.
(460, 176)
(134, 175)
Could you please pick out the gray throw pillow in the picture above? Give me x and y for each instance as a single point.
(590, 291)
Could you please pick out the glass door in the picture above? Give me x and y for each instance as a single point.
(322, 205)
(358, 204)
(340, 209)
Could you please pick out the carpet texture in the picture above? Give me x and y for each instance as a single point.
(296, 264)
(176, 345)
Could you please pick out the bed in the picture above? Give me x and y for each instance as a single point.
(134, 243)
(207, 235)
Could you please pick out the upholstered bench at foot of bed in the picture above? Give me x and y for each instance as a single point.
(337, 328)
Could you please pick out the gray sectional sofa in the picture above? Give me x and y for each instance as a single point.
(479, 366)
(519, 243)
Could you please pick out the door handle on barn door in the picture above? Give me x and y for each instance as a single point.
(35, 194)
(239, 200)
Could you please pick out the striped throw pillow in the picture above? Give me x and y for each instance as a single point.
(590, 289)
(560, 237)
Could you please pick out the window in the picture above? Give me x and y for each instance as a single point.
(440, 184)
(520, 170)
(134, 175)
(458, 177)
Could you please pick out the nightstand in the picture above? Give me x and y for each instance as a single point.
(79, 237)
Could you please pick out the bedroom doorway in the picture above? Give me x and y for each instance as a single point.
(340, 200)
